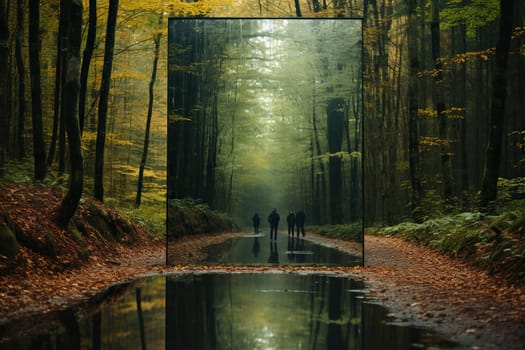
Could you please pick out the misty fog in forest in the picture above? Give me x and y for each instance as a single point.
(270, 112)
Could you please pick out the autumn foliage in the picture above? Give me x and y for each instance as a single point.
(30, 240)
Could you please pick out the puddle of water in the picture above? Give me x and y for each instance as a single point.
(223, 311)
(259, 250)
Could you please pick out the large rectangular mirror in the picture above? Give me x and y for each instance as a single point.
(265, 115)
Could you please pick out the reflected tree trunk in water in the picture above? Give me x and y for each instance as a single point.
(312, 309)
(44, 342)
(188, 314)
(97, 331)
(69, 322)
(334, 336)
(353, 330)
(141, 319)
(210, 313)
(318, 317)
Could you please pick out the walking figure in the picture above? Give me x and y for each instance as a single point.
(300, 218)
(290, 219)
(273, 219)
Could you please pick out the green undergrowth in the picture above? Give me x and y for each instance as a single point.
(151, 215)
(495, 243)
(350, 232)
(188, 217)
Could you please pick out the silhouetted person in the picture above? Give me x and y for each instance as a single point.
(273, 219)
(256, 222)
(274, 256)
(299, 221)
(290, 219)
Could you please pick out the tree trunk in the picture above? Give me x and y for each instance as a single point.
(4, 73)
(413, 137)
(70, 107)
(320, 185)
(39, 150)
(446, 167)
(20, 140)
(298, 8)
(65, 8)
(317, 5)
(335, 122)
(489, 182)
(212, 156)
(156, 40)
(57, 93)
(103, 102)
(86, 60)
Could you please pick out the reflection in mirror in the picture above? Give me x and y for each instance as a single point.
(265, 115)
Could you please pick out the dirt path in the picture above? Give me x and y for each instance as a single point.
(428, 289)
(418, 285)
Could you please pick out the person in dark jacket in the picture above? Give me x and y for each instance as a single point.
(290, 219)
(300, 218)
(273, 219)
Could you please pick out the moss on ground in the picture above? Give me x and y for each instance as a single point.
(188, 217)
(492, 242)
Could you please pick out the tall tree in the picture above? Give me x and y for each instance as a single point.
(71, 88)
(58, 85)
(39, 150)
(413, 127)
(446, 167)
(489, 183)
(4, 72)
(86, 60)
(20, 140)
(298, 8)
(103, 101)
(335, 121)
(156, 41)
(65, 8)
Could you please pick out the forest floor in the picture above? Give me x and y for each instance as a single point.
(418, 285)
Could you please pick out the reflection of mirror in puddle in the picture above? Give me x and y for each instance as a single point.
(263, 114)
(284, 251)
(226, 311)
